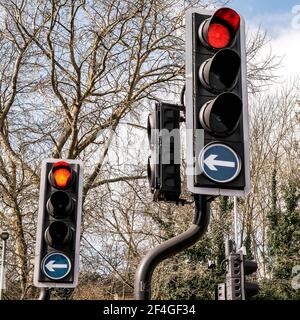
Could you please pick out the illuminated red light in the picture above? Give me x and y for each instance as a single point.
(220, 31)
(61, 174)
(218, 36)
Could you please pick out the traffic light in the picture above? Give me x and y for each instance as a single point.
(249, 289)
(234, 290)
(164, 161)
(58, 225)
(216, 103)
(235, 286)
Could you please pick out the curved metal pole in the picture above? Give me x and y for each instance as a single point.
(171, 247)
(44, 294)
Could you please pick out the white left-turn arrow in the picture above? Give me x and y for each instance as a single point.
(51, 266)
(211, 162)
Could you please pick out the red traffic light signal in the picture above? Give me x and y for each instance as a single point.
(220, 30)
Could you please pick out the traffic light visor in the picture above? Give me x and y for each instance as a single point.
(150, 127)
(218, 36)
(150, 174)
(229, 17)
(250, 266)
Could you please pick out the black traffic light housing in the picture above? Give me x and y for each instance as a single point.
(58, 227)
(216, 103)
(164, 160)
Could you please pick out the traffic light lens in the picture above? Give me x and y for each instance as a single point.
(250, 266)
(220, 73)
(220, 31)
(61, 177)
(224, 70)
(58, 231)
(218, 36)
(221, 116)
(60, 204)
(58, 234)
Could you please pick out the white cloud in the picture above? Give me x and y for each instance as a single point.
(284, 41)
(273, 22)
(287, 45)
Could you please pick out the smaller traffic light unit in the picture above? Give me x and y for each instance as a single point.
(164, 161)
(237, 266)
(58, 226)
(216, 103)
(233, 285)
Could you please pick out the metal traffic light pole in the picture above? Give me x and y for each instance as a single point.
(4, 236)
(44, 294)
(171, 247)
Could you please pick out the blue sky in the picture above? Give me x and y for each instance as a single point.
(253, 7)
(270, 14)
(281, 20)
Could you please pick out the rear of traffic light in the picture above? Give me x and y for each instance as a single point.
(249, 267)
(164, 161)
(216, 103)
(58, 229)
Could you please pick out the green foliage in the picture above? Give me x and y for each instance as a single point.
(278, 289)
(194, 288)
(193, 280)
(247, 244)
(284, 243)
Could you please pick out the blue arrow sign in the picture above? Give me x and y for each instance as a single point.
(219, 162)
(56, 265)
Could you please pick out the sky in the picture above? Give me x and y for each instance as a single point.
(281, 20)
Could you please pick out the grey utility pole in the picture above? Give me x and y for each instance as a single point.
(4, 236)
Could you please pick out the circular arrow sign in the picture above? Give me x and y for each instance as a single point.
(219, 162)
(56, 265)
